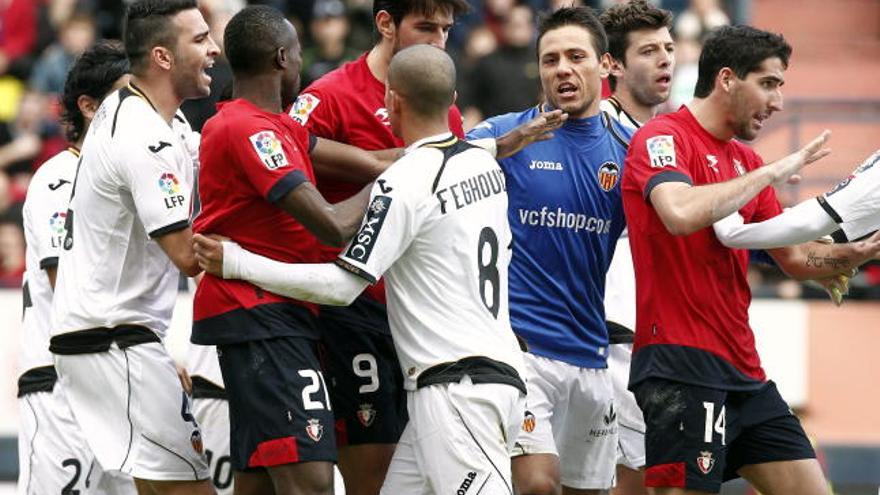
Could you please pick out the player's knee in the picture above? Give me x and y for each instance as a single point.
(537, 483)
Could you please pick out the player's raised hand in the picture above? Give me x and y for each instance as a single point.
(787, 169)
(209, 254)
(538, 129)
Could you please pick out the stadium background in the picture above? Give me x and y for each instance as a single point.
(822, 356)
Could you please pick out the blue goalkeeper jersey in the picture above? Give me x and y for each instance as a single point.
(566, 214)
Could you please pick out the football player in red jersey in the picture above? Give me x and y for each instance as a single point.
(710, 412)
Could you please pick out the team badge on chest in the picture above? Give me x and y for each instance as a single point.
(608, 176)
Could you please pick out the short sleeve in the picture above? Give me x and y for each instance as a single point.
(271, 158)
(485, 129)
(313, 110)
(158, 178)
(389, 226)
(657, 154)
(46, 213)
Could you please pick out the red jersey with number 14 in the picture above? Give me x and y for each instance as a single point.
(692, 295)
(250, 159)
(348, 105)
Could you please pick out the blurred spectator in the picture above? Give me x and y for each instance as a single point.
(11, 255)
(329, 28)
(18, 31)
(702, 16)
(480, 43)
(75, 35)
(506, 80)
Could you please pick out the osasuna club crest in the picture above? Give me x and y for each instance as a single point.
(705, 462)
(315, 429)
(608, 175)
(366, 414)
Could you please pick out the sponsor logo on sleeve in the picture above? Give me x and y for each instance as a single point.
(842, 184)
(268, 148)
(661, 151)
(304, 105)
(169, 185)
(56, 228)
(608, 176)
(362, 244)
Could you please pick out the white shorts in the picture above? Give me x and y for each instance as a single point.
(570, 412)
(213, 418)
(457, 440)
(53, 455)
(134, 413)
(631, 444)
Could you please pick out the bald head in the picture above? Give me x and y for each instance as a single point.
(425, 77)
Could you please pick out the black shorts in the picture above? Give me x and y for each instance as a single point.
(366, 384)
(697, 437)
(279, 411)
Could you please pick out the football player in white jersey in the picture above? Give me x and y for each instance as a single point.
(642, 62)
(127, 236)
(53, 455)
(437, 230)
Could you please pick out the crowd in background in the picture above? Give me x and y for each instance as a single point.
(493, 47)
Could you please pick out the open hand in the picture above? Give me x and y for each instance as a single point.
(538, 129)
(787, 169)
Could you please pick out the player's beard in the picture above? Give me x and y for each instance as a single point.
(642, 93)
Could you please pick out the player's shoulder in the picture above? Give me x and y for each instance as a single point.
(134, 120)
(55, 175)
(339, 80)
(501, 124)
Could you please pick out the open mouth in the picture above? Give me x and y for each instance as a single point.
(566, 90)
(664, 79)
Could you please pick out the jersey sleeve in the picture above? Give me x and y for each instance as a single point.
(485, 129)
(657, 154)
(271, 158)
(389, 226)
(315, 111)
(159, 184)
(857, 197)
(45, 214)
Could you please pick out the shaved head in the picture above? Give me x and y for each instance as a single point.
(425, 77)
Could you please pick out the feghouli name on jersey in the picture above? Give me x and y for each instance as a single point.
(471, 190)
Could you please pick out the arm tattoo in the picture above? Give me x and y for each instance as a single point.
(817, 261)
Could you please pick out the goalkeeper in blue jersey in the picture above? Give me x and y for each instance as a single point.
(566, 216)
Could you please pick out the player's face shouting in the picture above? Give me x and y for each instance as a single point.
(571, 70)
(419, 29)
(194, 53)
(756, 97)
(650, 61)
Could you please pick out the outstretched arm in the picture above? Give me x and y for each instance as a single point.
(803, 223)
(339, 161)
(323, 283)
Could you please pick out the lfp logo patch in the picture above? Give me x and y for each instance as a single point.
(56, 222)
(168, 183)
(661, 151)
(268, 148)
(303, 107)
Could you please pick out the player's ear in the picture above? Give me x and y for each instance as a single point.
(725, 79)
(385, 25)
(162, 57)
(87, 106)
(604, 65)
(281, 59)
(615, 67)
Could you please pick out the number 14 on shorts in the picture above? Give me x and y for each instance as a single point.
(714, 424)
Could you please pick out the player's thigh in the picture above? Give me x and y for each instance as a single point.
(459, 444)
(547, 385)
(588, 438)
(803, 477)
(363, 467)
(404, 472)
(686, 437)
(631, 431)
(213, 418)
(279, 407)
(366, 384)
(536, 474)
(305, 478)
(53, 455)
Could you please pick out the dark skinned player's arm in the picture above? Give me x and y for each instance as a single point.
(332, 224)
(337, 161)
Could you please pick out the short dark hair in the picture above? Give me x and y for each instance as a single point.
(621, 19)
(252, 37)
(401, 8)
(93, 74)
(583, 17)
(742, 49)
(148, 24)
